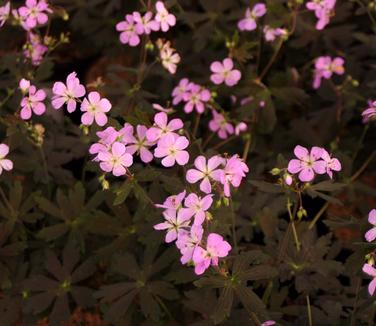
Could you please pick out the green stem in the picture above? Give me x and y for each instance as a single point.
(309, 311)
(295, 234)
(318, 215)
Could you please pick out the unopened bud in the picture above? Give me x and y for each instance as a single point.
(226, 201)
(275, 171)
(288, 179)
(301, 213)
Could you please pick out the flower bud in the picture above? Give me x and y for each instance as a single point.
(275, 171)
(287, 178)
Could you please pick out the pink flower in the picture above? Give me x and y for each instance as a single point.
(181, 91)
(4, 13)
(129, 32)
(163, 127)
(371, 271)
(187, 242)
(197, 206)
(173, 202)
(205, 172)
(24, 85)
(174, 223)
(32, 102)
(371, 234)
(5, 164)
(307, 164)
(34, 49)
(248, 23)
(216, 248)
(240, 127)
(160, 108)
(95, 109)
(170, 59)
(116, 160)
(145, 24)
(332, 164)
(171, 148)
(68, 93)
(233, 173)
(34, 12)
(272, 33)
(141, 145)
(107, 138)
(224, 72)
(163, 17)
(325, 67)
(220, 125)
(370, 113)
(268, 323)
(323, 11)
(196, 98)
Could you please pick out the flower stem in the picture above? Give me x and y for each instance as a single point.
(309, 311)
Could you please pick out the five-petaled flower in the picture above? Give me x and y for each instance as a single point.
(171, 148)
(249, 22)
(95, 108)
(174, 223)
(224, 72)
(5, 164)
(116, 160)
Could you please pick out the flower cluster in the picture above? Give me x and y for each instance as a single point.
(32, 102)
(94, 107)
(369, 268)
(325, 67)
(184, 217)
(195, 96)
(136, 24)
(249, 22)
(170, 146)
(309, 163)
(369, 114)
(323, 10)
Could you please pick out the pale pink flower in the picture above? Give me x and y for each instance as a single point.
(206, 172)
(272, 33)
(233, 173)
(34, 13)
(172, 149)
(370, 113)
(67, 93)
(371, 234)
(187, 242)
(240, 127)
(216, 247)
(33, 103)
(106, 138)
(268, 323)
(117, 160)
(129, 32)
(34, 49)
(323, 11)
(307, 164)
(141, 145)
(173, 202)
(174, 223)
(95, 108)
(196, 207)
(371, 271)
(4, 13)
(163, 17)
(145, 24)
(248, 23)
(170, 59)
(220, 125)
(5, 163)
(196, 97)
(224, 72)
(24, 85)
(181, 91)
(325, 67)
(160, 108)
(332, 164)
(162, 127)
